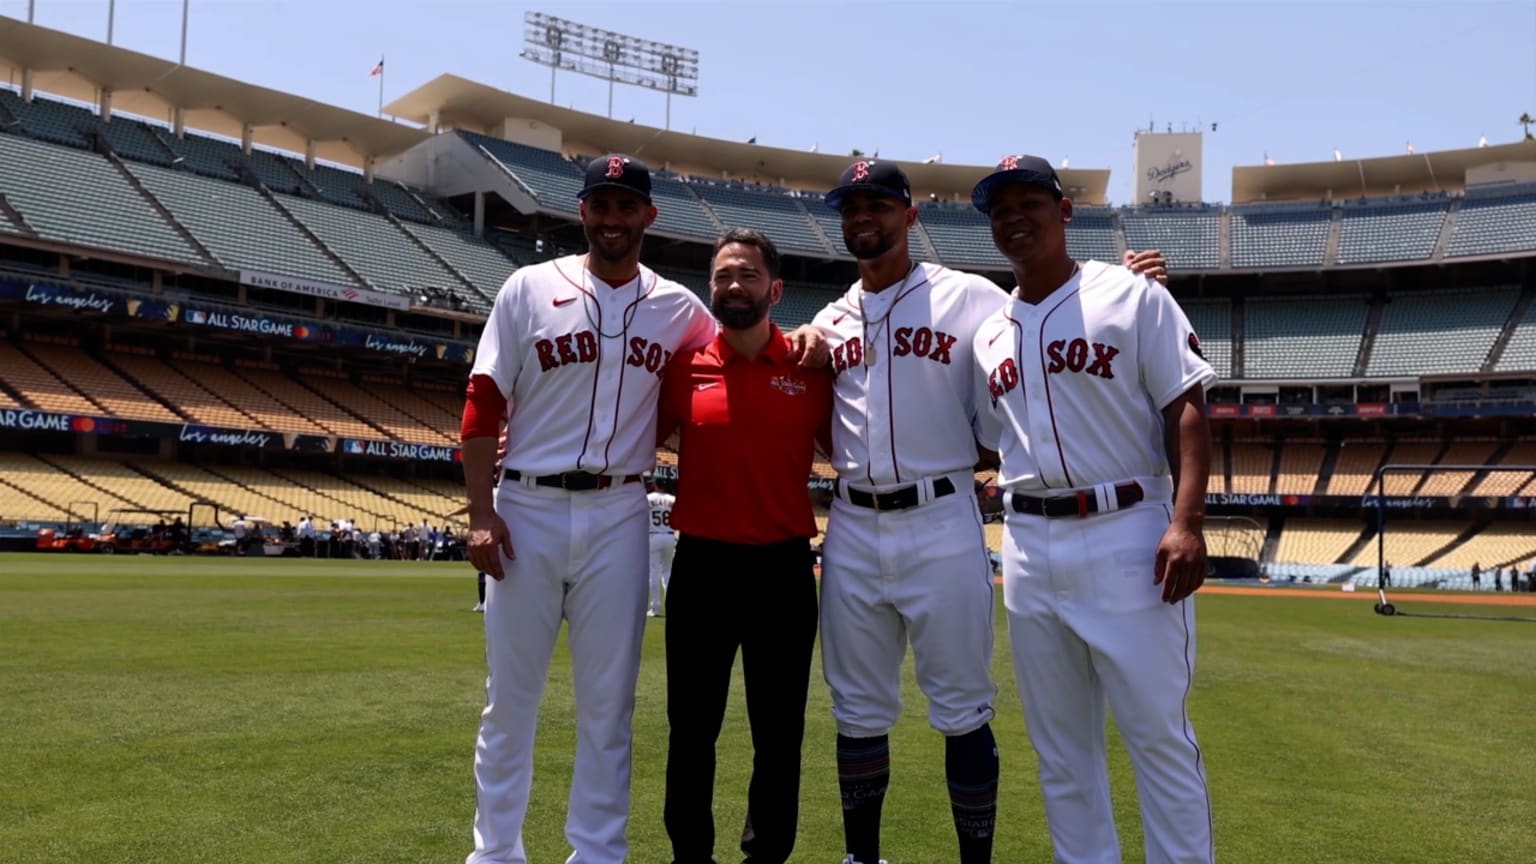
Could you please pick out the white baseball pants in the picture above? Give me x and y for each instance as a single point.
(662, 548)
(579, 559)
(920, 573)
(1086, 624)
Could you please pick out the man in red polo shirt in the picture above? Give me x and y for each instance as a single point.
(748, 420)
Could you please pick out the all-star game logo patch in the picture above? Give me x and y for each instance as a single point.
(1194, 345)
(787, 385)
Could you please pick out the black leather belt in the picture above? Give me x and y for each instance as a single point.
(896, 499)
(1080, 504)
(576, 481)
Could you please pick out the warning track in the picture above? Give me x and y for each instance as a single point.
(1484, 599)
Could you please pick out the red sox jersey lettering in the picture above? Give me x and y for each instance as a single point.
(908, 414)
(611, 348)
(1105, 352)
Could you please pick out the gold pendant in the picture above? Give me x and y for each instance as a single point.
(869, 355)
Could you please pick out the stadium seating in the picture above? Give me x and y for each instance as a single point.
(1407, 453)
(1499, 483)
(33, 489)
(41, 388)
(1495, 221)
(373, 247)
(369, 509)
(480, 262)
(800, 304)
(1357, 462)
(96, 208)
(1314, 337)
(134, 140)
(422, 501)
(1408, 543)
(551, 177)
(1520, 351)
(1445, 483)
(117, 396)
(209, 157)
(50, 120)
(253, 401)
(198, 403)
(277, 172)
(961, 236)
(1439, 332)
(123, 482)
(779, 216)
(399, 425)
(1300, 465)
(1376, 232)
(240, 227)
(213, 484)
(1091, 235)
(1496, 545)
(416, 405)
(1316, 541)
(266, 389)
(1252, 464)
(680, 212)
(1189, 239)
(1279, 236)
(1212, 321)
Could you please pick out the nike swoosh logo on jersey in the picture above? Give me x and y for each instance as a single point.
(995, 338)
(839, 319)
(566, 302)
(706, 385)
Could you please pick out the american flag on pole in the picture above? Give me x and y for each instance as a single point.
(377, 70)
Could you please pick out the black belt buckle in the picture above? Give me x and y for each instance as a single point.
(898, 499)
(581, 481)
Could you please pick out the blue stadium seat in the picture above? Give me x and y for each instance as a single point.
(1212, 320)
(1280, 236)
(1091, 235)
(777, 214)
(1520, 351)
(679, 211)
(552, 178)
(1188, 238)
(1376, 232)
(1303, 337)
(1495, 221)
(52, 121)
(961, 236)
(1447, 331)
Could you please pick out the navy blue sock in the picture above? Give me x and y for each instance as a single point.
(863, 773)
(971, 766)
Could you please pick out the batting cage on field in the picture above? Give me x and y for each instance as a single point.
(1375, 494)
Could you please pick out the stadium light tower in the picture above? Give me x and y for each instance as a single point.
(613, 57)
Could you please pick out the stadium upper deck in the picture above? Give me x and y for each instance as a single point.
(174, 200)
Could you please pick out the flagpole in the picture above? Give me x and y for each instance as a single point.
(381, 85)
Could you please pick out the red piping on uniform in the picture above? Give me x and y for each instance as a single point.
(1060, 453)
(596, 367)
(618, 398)
(890, 371)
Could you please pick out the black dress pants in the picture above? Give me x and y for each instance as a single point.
(761, 599)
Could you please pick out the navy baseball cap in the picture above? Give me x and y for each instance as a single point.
(618, 171)
(875, 177)
(1030, 170)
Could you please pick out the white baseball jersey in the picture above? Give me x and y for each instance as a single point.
(904, 396)
(555, 331)
(1071, 391)
(661, 512)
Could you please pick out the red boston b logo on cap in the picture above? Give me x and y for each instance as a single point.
(615, 166)
(860, 172)
(1009, 163)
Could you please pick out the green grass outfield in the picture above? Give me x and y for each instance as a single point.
(222, 710)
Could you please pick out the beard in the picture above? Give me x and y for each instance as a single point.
(734, 316)
(868, 250)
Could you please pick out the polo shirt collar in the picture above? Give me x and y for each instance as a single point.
(774, 352)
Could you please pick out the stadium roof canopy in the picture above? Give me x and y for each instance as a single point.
(80, 69)
(1445, 171)
(449, 101)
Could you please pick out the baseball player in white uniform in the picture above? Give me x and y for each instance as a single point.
(571, 359)
(572, 356)
(663, 544)
(904, 556)
(1090, 383)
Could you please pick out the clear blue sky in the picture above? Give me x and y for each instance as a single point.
(970, 80)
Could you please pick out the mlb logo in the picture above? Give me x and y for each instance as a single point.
(352, 446)
(787, 385)
(196, 316)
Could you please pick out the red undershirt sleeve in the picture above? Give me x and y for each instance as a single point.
(484, 409)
